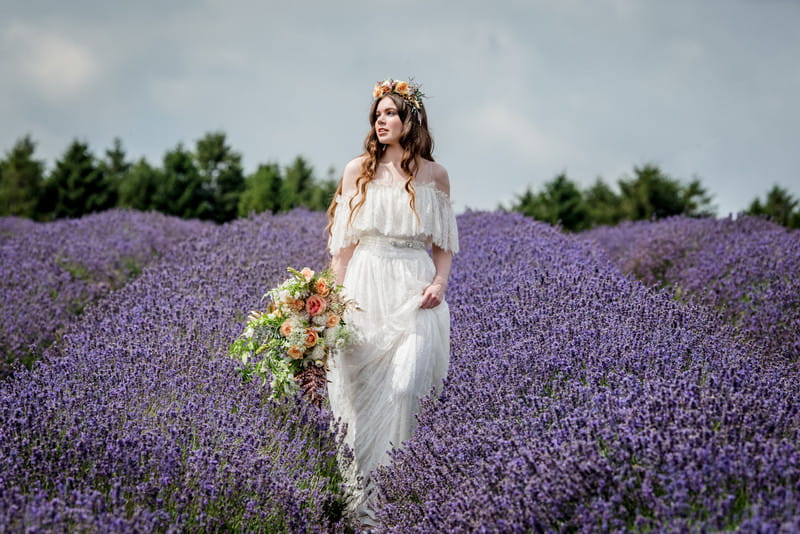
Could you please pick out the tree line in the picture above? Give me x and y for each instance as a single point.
(648, 194)
(208, 182)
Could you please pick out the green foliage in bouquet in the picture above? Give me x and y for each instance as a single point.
(290, 342)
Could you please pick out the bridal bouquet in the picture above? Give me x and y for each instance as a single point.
(293, 338)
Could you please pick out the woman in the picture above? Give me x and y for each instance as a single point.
(391, 206)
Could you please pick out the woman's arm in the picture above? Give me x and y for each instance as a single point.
(340, 260)
(433, 295)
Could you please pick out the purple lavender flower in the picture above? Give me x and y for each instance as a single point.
(578, 398)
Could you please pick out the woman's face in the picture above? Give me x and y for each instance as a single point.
(388, 125)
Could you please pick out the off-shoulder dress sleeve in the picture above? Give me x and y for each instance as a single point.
(342, 234)
(444, 229)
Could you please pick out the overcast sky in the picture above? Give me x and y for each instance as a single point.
(519, 90)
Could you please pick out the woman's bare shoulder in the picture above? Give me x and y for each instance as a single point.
(440, 177)
(350, 174)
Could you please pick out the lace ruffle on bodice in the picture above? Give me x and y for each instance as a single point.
(386, 211)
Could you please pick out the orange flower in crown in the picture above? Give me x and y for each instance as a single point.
(410, 92)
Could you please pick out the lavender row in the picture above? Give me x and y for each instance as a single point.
(50, 272)
(579, 400)
(137, 421)
(747, 269)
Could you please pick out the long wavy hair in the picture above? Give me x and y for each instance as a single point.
(415, 140)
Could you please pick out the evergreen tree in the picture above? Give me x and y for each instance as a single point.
(21, 178)
(115, 168)
(262, 190)
(220, 169)
(322, 192)
(780, 206)
(696, 200)
(650, 194)
(183, 191)
(77, 185)
(560, 202)
(140, 187)
(321, 195)
(297, 184)
(603, 204)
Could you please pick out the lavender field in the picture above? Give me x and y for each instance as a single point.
(643, 378)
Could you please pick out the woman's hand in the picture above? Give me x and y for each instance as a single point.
(432, 296)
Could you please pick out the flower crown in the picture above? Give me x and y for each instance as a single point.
(410, 92)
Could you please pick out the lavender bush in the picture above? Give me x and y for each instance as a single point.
(50, 272)
(747, 269)
(578, 400)
(137, 421)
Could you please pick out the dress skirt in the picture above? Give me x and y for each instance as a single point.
(400, 354)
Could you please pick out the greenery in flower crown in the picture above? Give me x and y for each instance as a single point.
(290, 342)
(410, 91)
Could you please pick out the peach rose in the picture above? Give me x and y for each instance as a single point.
(295, 352)
(401, 88)
(378, 91)
(332, 321)
(307, 273)
(311, 337)
(286, 328)
(321, 287)
(315, 305)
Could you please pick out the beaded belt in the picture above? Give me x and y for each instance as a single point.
(392, 242)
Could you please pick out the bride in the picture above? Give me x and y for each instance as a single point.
(392, 205)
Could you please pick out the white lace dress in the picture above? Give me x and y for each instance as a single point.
(404, 352)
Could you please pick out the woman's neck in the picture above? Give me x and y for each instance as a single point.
(393, 154)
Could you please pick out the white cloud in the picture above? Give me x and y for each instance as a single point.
(55, 67)
(497, 124)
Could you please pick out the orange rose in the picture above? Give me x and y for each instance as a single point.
(401, 88)
(307, 273)
(286, 328)
(295, 352)
(321, 287)
(311, 338)
(315, 305)
(378, 91)
(332, 321)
